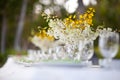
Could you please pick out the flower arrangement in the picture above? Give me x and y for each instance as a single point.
(67, 31)
(70, 31)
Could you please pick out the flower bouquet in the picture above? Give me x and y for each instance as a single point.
(75, 32)
(69, 39)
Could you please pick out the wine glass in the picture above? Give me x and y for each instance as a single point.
(108, 45)
(86, 50)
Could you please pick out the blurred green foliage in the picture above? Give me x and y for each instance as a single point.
(12, 9)
(3, 59)
(108, 14)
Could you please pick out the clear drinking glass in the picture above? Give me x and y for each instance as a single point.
(108, 45)
(86, 50)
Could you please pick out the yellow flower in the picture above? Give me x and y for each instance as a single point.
(80, 16)
(43, 35)
(70, 16)
(73, 22)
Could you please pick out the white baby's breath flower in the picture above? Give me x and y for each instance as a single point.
(104, 32)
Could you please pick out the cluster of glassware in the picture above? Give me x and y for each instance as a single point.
(74, 36)
(83, 51)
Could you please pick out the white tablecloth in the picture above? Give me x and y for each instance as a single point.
(13, 71)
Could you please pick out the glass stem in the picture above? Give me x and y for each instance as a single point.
(107, 62)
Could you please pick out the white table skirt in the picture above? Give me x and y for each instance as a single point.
(13, 71)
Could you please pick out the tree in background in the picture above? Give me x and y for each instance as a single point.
(9, 19)
(3, 16)
(20, 25)
(9, 9)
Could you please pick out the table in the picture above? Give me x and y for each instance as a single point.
(13, 71)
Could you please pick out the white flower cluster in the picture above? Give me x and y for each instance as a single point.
(68, 35)
(105, 32)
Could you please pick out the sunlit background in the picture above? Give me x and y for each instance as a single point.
(19, 17)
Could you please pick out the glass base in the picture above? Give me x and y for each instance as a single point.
(86, 63)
